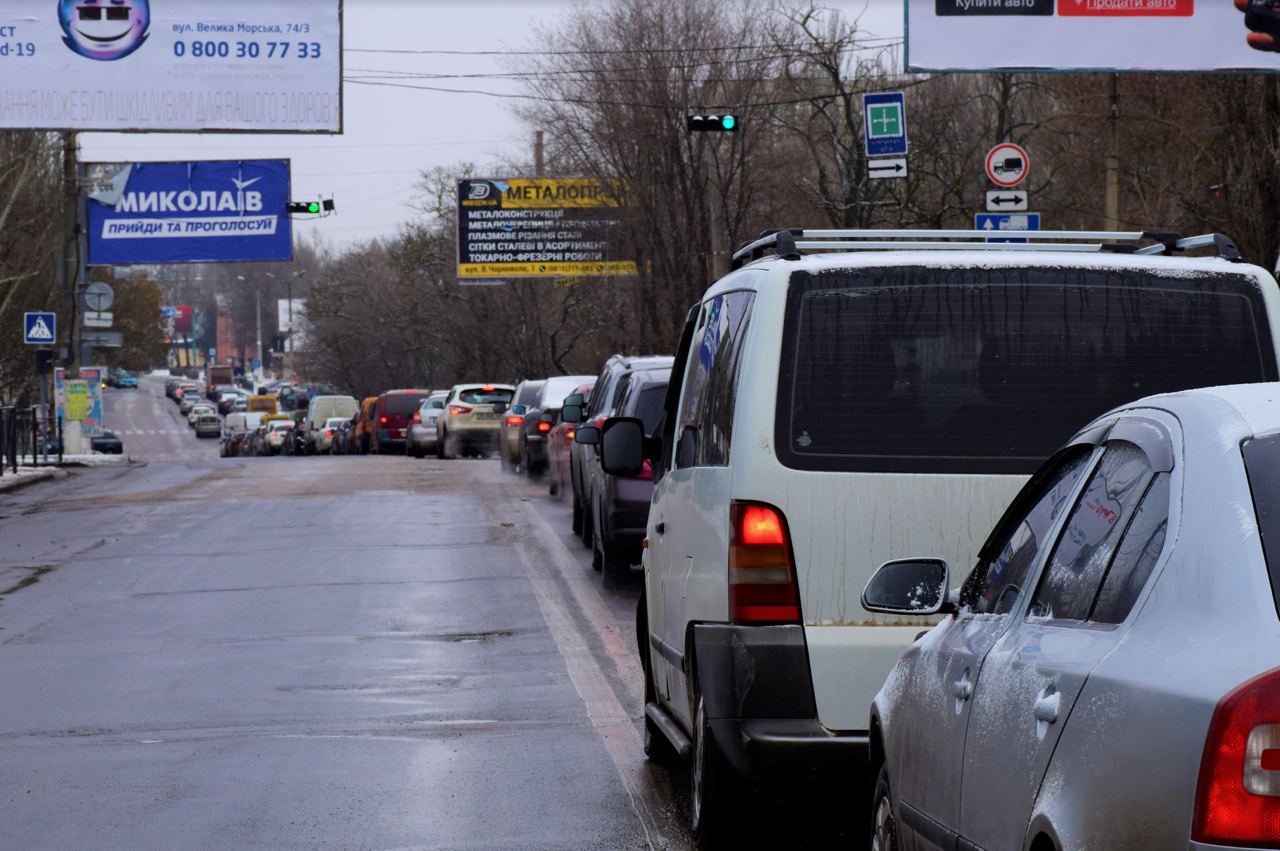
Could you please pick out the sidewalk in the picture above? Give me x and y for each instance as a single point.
(30, 475)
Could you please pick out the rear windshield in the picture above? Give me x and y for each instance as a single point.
(649, 406)
(476, 396)
(402, 403)
(988, 371)
(528, 392)
(1262, 461)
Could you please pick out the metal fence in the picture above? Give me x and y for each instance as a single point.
(26, 440)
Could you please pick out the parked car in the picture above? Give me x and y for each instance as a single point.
(560, 439)
(525, 395)
(363, 432)
(328, 434)
(278, 439)
(108, 444)
(604, 402)
(618, 506)
(208, 425)
(320, 410)
(1152, 535)
(541, 418)
(391, 415)
(830, 413)
(469, 425)
(191, 398)
(342, 438)
(422, 427)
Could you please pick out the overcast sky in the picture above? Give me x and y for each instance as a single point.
(393, 134)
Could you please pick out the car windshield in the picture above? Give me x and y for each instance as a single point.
(479, 396)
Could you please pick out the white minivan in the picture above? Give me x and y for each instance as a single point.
(832, 411)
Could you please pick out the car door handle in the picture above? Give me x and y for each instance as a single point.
(962, 688)
(660, 528)
(1047, 706)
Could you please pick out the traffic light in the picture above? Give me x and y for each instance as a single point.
(278, 343)
(311, 208)
(705, 123)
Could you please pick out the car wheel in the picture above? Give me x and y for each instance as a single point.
(884, 829)
(440, 446)
(553, 487)
(577, 517)
(657, 748)
(708, 780)
(526, 465)
(615, 565)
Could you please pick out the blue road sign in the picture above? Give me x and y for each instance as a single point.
(884, 117)
(995, 222)
(193, 212)
(39, 329)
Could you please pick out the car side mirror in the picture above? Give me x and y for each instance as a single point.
(571, 413)
(587, 436)
(622, 447)
(912, 586)
(501, 408)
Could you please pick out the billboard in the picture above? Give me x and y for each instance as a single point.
(178, 65)
(198, 212)
(182, 318)
(540, 228)
(84, 403)
(1086, 35)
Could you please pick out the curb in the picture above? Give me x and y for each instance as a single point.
(43, 475)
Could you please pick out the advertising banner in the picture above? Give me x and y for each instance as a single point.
(199, 212)
(81, 400)
(1085, 35)
(539, 229)
(180, 65)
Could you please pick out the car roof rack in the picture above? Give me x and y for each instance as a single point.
(788, 243)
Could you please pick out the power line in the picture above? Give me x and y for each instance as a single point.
(604, 51)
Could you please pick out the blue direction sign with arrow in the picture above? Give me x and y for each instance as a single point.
(884, 116)
(39, 329)
(993, 223)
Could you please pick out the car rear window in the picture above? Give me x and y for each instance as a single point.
(1262, 461)
(649, 406)
(403, 403)
(989, 370)
(477, 396)
(529, 392)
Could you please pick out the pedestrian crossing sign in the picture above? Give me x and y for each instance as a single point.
(39, 329)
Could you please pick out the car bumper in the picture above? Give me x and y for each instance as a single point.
(422, 437)
(758, 693)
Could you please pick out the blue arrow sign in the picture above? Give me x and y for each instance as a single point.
(993, 223)
(39, 329)
(884, 121)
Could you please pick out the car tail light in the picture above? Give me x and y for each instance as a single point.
(1238, 795)
(514, 421)
(762, 573)
(458, 410)
(417, 417)
(543, 428)
(569, 435)
(328, 432)
(383, 420)
(646, 472)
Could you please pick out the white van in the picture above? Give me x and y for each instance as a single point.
(830, 412)
(322, 409)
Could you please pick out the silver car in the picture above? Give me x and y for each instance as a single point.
(420, 439)
(1106, 676)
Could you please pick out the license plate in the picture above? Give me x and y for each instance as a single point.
(486, 416)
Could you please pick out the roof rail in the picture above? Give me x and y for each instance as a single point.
(788, 243)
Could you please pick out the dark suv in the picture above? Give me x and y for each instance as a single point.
(604, 403)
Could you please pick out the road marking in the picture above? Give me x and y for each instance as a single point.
(650, 799)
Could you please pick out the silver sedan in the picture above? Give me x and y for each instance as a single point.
(1107, 674)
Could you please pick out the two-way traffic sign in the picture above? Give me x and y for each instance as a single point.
(39, 329)
(1006, 201)
(883, 168)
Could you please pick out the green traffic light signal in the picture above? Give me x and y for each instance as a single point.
(728, 122)
(313, 207)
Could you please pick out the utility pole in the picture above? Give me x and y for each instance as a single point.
(539, 162)
(1112, 204)
(257, 298)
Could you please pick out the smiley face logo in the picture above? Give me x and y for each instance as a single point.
(104, 30)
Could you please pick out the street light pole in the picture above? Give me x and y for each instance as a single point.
(257, 298)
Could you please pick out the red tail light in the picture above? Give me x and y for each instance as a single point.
(417, 417)
(1238, 796)
(328, 432)
(382, 420)
(646, 472)
(514, 421)
(569, 435)
(762, 573)
(458, 410)
(543, 428)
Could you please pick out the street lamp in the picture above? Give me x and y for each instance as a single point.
(257, 300)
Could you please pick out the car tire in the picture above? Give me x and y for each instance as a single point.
(526, 464)
(577, 517)
(588, 538)
(553, 488)
(884, 828)
(709, 776)
(614, 565)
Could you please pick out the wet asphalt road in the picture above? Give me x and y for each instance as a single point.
(313, 653)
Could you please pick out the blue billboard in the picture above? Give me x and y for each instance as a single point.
(192, 212)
